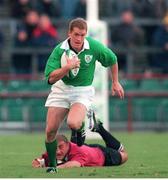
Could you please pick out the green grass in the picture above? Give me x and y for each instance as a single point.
(147, 158)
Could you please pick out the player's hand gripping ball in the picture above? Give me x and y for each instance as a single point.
(71, 54)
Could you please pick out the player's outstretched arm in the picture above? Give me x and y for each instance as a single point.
(70, 164)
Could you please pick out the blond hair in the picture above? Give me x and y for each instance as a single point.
(61, 137)
(79, 23)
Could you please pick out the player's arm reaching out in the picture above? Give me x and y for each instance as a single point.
(40, 162)
(70, 164)
(116, 86)
(61, 72)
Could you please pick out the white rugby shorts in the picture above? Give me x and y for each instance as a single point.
(63, 95)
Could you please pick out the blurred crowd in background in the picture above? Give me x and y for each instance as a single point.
(137, 33)
(131, 24)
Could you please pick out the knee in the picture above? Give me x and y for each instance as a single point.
(74, 125)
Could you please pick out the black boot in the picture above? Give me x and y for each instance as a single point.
(78, 137)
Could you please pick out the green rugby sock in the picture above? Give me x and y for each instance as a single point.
(51, 148)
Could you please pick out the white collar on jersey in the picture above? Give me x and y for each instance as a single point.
(65, 45)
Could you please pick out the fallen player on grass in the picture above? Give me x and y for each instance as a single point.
(71, 155)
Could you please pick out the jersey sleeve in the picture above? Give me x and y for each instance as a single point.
(103, 54)
(53, 62)
(106, 56)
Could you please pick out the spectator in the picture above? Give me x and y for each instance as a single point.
(149, 9)
(49, 7)
(160, 39)
(22, 62)
(80, 9)
(1, 39)
(19, 8)
(127, 35)
(1, 45)
(120, 6)
(29, 24)
(68, 8)
(113, 7)
(44, 35)
(108, 9)
(160, 8)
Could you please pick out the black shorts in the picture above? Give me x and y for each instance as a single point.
(112, 156)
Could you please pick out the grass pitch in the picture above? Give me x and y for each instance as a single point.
(147, 158)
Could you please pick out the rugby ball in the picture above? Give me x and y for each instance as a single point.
(71, 54)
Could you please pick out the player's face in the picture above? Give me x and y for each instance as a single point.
(62, 150)
(77, 37)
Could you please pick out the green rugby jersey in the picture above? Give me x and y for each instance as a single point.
(92, 51)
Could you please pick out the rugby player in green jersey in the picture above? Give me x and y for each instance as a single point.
(71, 96)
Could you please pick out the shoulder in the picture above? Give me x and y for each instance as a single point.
(96, 46)
(73, 145)
(74, 149)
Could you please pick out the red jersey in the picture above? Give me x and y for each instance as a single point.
(85, 155)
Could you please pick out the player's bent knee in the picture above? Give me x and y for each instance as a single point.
(74, 125)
